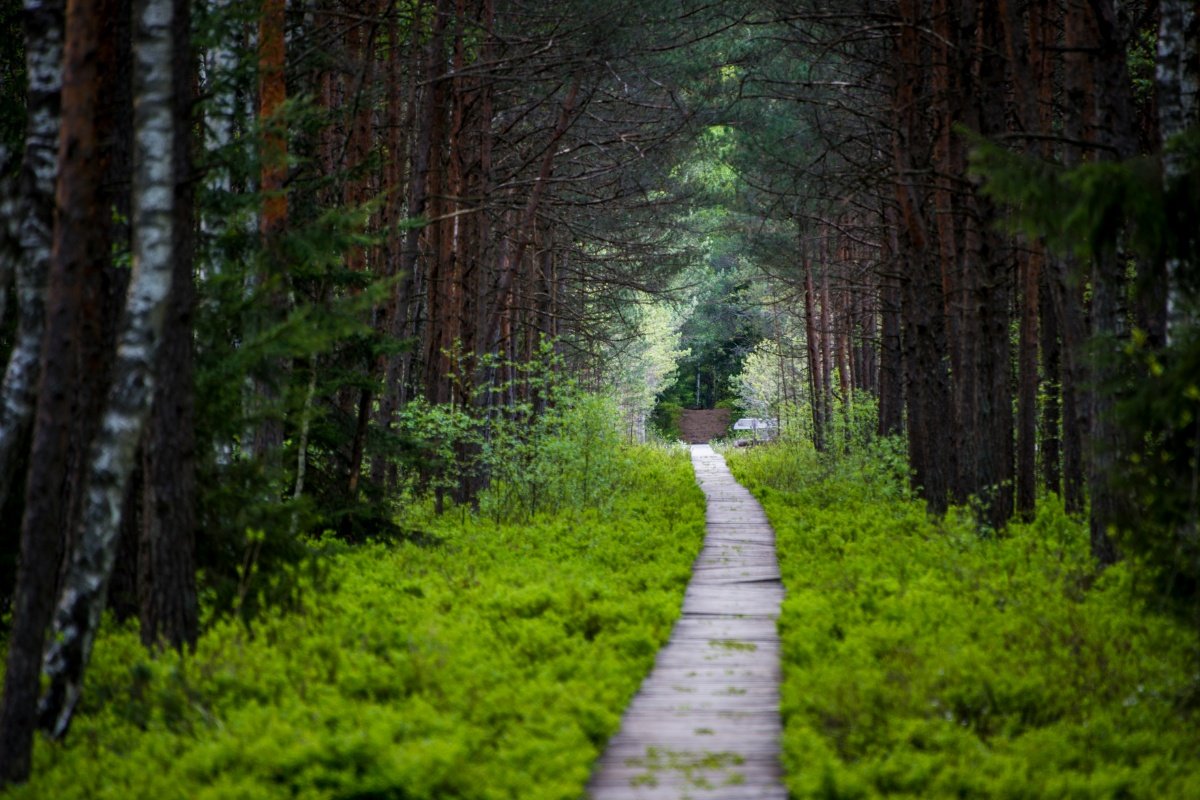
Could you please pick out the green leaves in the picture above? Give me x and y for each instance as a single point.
(923, 660)
(492, 664)
(1084, 210)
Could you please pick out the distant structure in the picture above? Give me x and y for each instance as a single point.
(761, 428)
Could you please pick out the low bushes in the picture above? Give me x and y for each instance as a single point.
(492, 661)
(922, 659)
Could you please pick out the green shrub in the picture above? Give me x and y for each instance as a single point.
(494, 661)
(923, 660)
(665, 420)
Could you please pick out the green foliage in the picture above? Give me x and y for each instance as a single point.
(641, 366)
(1160, 413)
(492, 661)
(1125, 206)
(284, 331)
(923, 660)
(558, 448)
(721, 326)
(567, 456)
(1099, 206)
(665, 420)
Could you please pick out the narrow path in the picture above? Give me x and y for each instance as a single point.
(705, 724)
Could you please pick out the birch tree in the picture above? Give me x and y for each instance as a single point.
(167, 597)
(114, 449)
(34, 230)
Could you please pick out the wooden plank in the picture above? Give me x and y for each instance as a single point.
(705, 723)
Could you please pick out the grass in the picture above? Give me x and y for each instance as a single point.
(494, 663)
(925, 660)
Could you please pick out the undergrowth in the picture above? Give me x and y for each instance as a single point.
(485, 660)
(923, 659)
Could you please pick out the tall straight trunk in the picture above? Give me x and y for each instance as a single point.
(891, 366)
(826, 339)
(422, 157)
(815, 379)
(106, 286)
(947, 94)
(272, 94)
(1024, 63)
(436, 360)
(995, 289)
(168, 608)
(869, 347)
(75, 312)
(926, 381)
(1051, 408)
(1027, 392)
(114, 449)
(1069, 311)
(40, 310)
(1110, 109)
(395, 312)
(1041, 35)
(35, 194)
(362, 40)
(842, 342)
(1178, 74)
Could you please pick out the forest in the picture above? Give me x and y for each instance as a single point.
(347, 347)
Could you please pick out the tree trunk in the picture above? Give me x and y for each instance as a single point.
(926, 381)
(1178, 76)
(114, 449)
(36, 184)
(272, 93)
(167, 582)
(816, 392)
(1027, 393)
(78, 254)
(1109, 108)
(891, 365)
(1051, 408)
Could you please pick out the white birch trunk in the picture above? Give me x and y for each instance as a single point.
(35, 230)
(114, 450)
(1178, 76)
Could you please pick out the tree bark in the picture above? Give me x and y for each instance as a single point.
(1051, 408)
(1178, 78)
(926, 380)
(1027, 394)
(272, 93)
(77, 254)
(114, 449)
(891, 365)
(167, 576)
(1109, 108)
(35, 233)
(816, 393)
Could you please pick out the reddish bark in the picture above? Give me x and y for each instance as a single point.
(80, 250)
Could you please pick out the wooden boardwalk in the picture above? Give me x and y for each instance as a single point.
(705, 724)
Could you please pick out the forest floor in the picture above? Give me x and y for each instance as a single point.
(701, 426)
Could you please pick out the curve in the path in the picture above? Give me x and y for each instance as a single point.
(705, 724)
